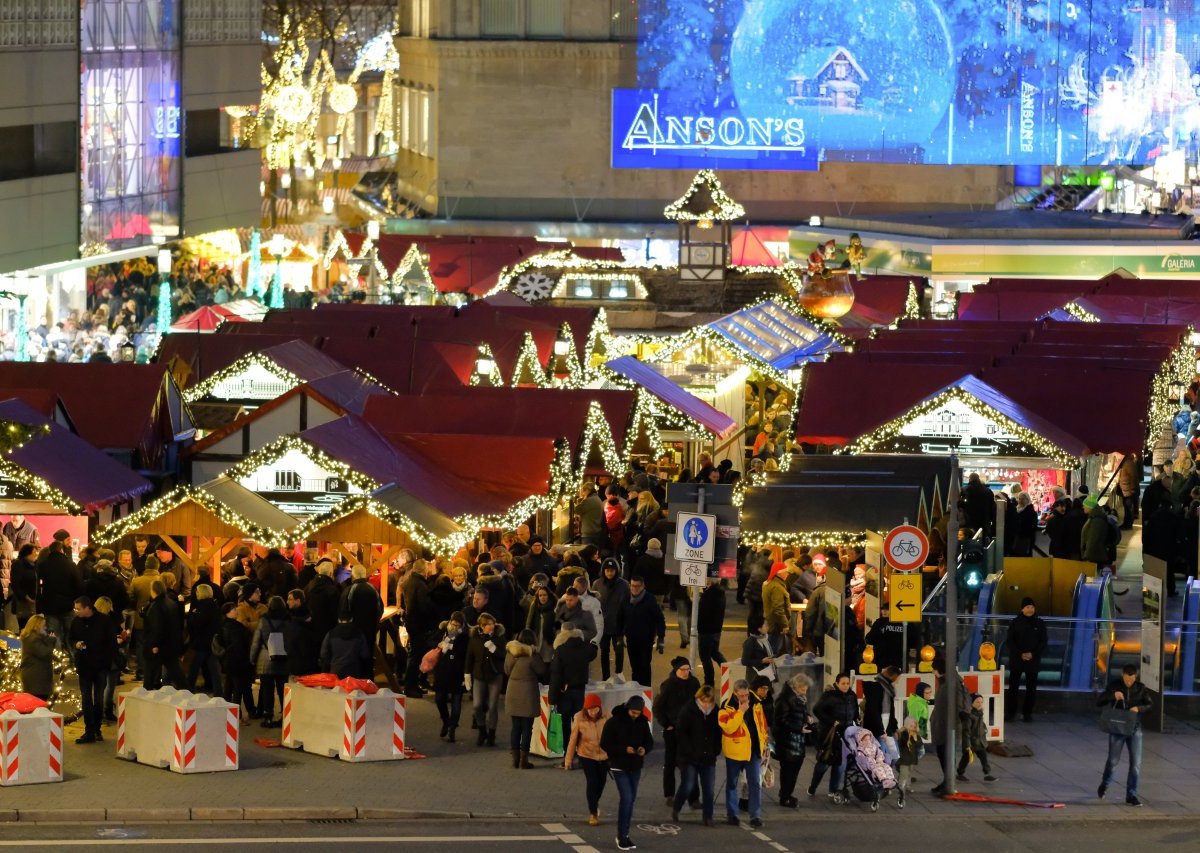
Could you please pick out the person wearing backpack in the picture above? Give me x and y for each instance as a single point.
(269, 655)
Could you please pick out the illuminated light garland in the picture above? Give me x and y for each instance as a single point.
(698, 335)
(797, 539)
(1180, 367)
(41, 489)
(1080, 313)
(279, 448)
(877, 441)
(597, 433)
(343, 98)
(369, 250)
(574, 377)
(565, 260)
(528, 370)
(912, 304)
(336, 245)
(599, 341)
(645, 417)
(492, 379)
(725, 208)
(414, 257)
(156, 509)
(205, 388)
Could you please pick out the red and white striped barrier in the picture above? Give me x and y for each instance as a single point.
(31, 747)
(182, 731)
(350, 726)
(989, 685)
(539, 744)
(726, 680)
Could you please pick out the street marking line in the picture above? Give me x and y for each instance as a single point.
(357, 839)
(778, 846)
(761, 836)
(586, 848)
(570, 839)
(556, 828)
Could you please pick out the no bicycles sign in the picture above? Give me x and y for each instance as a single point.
(905, 548)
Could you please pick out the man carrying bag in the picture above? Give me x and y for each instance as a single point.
(1123, 704)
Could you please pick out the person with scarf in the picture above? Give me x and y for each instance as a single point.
(760, 649)
(540, 621)
(448, 673)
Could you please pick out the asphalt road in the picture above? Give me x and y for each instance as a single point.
(886, 831)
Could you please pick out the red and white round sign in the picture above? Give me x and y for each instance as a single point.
(906, 548)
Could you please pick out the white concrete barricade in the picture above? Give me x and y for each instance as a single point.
(186, 732)
(351, 726)
(989, 685)
(611, 695)
(31, 747)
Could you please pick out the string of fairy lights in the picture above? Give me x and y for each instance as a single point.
(723, 208)
(1080, 313)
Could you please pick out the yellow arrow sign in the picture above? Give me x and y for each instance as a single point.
(905, 597)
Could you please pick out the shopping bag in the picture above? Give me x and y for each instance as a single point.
(554, 734)
(1118, 720)
(768, 775)
(430, 660)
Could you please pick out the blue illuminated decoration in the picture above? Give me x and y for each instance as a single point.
(1032, 82)
(647, 136)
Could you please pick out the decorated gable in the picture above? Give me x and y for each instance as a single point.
(298, 484)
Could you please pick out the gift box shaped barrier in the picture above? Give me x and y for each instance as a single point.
(186, 732)
(350, 726)
(31, 747)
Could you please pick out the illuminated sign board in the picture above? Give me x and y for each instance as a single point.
(298, 485)
(646, 135)
(1085, 82)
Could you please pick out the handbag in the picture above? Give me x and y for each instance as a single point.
(831, 753)
(554, 734)
(430, 660)
(1116, 720)
(768, 776)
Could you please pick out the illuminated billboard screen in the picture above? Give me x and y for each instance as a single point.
(1003, 82)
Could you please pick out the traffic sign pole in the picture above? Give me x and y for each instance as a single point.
(950, 718)
(693, 640)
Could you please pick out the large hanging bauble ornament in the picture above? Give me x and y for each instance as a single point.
(342, 98)
(293, 103)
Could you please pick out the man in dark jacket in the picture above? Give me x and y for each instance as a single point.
(322, 596)
(344, 651)
(979, 505)
(106, 583)
(879, 696)
(674, 694)
(627, 739)
(760, 568)
(485, 663)
(276, 574)
(300, 638)
(697, 747)
(93, 644)
(203, 622)
(420, 619)
(234, 641)
(162, 637)
(59, 585)
(569, 674)
(710, 622)
(1026, 642)
(613, 592)
(361, 602)
(1129, 693)
(887, 639)
(644, 622)
(537, 560)
(1057, 531)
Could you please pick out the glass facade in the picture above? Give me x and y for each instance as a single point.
(132, 121)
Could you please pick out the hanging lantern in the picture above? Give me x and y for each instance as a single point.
(342, 98)
(293, 103)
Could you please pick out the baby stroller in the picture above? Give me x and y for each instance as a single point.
(868, 777)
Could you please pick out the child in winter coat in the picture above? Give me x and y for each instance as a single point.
(908, 740)
(917, 706)
(974, 738)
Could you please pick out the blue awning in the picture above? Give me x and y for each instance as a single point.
(773, 333)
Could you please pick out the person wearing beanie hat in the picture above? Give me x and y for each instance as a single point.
(1027, 639)
(586, 731)
(674, 694)
(626, 740)
(777, 597)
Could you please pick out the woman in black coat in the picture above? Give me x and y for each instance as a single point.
(448, 674)
(836, 709)
(789, 724)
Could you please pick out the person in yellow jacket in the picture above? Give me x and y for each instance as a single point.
(744, 744)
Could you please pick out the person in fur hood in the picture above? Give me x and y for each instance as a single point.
(524, 669)
(569, 674)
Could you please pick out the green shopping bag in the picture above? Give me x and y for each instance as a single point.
(554, 734)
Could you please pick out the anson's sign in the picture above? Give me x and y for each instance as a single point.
(646, 135)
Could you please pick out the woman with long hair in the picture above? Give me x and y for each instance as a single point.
(37, 658)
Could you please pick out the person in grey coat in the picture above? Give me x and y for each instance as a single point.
(524, 669)
(271, 668)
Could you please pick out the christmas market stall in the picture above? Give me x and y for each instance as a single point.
(204, 524)
(51, 480)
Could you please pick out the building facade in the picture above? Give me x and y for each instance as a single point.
(112, 129)
(503, 111)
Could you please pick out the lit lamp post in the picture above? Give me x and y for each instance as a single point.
(485, 372)
(277, 248)
(285, 181)
(369, 260)
(561, 347)
(164, 292)
(943, 308)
